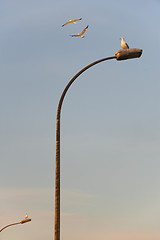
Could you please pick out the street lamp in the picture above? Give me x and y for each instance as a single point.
(122, 54)
(21, 222)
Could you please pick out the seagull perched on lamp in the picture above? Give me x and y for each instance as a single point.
(72, 21)
(124, 45)
(80, 34)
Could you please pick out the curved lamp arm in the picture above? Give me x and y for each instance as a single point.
(21, 222)
(121, 54)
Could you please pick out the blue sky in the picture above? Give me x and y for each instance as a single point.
(110, 132)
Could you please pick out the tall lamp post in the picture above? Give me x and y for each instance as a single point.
(21, 222)
(122, 54)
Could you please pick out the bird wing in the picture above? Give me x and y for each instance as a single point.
(71, 21)
(75, 20)
(84, 30)
(75, 35)
(66, 23)
(127, 45)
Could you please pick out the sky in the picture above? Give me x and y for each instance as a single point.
(110, 121)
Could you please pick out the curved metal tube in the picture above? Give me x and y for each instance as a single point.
(57, 187)
(21, 222)
(9, 225)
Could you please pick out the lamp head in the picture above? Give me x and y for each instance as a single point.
(25, 220)
(124, 54)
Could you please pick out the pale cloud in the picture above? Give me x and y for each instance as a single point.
(76, 194)
(16, 202)
(13, 193)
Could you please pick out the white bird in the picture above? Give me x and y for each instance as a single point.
(80, 34)
(72, 21)
(124, 44)
(26, 216)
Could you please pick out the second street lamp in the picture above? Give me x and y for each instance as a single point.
(122, 54)
(21, 222)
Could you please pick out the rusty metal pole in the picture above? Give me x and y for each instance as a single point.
(120, 55)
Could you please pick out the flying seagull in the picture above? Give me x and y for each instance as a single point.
(124, 44)
(72, 21)
(80, 34)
